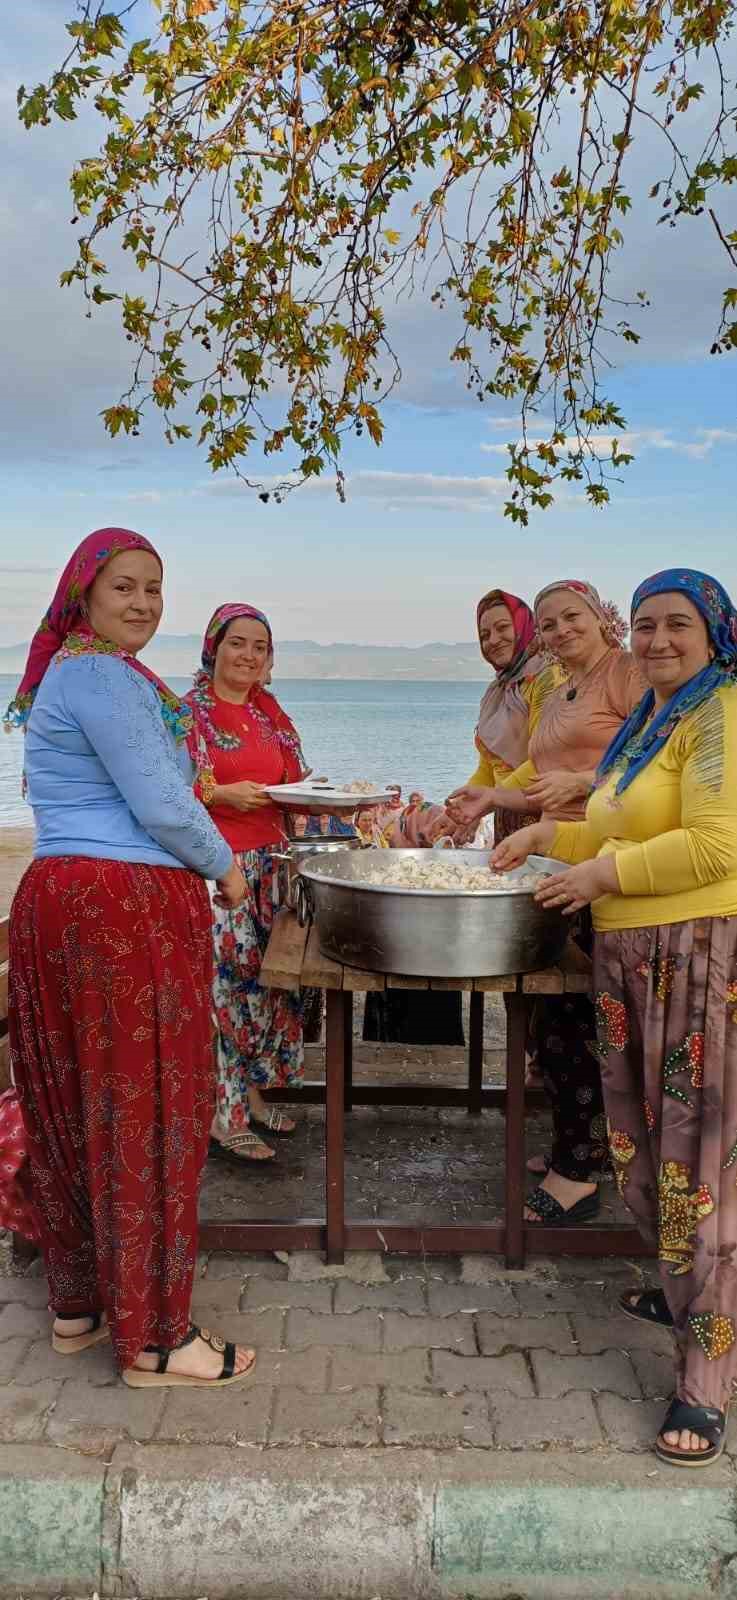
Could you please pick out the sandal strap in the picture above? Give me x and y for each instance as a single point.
(95, 1317)
(545, 1205)
(706, 1421)
(650, 1304)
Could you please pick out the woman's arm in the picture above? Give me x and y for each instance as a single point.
(119, 714)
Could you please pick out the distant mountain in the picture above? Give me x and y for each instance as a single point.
(178, 654)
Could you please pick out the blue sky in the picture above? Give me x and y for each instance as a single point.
(423, 534)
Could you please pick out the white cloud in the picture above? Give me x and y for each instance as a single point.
(444, 491)
(631, 441)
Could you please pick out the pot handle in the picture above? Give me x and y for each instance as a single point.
(304, 904)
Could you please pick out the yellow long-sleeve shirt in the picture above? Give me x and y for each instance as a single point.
(673, 831)
(491, 770)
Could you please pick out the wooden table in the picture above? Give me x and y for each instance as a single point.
(294, 960)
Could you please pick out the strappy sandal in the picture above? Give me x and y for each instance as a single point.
(72, 1344)
(274, 1124)
(239, 1147)
(551, 1212)
(706, 1421)
(137, 1378)
(646, 1305)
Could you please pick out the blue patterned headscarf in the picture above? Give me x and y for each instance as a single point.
(639, 739)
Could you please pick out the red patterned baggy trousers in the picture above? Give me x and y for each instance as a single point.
(112, 1052)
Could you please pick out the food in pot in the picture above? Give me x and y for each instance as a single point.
(398, 871)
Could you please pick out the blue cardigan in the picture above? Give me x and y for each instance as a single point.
(105, 776)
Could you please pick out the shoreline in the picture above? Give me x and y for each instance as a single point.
(16, 850)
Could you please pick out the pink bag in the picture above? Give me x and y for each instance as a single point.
(17, 1206)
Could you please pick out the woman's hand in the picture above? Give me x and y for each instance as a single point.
(554, 790)
(572, 890)
(243, 796)
(469, 804)
(231, 888)
(514, 850)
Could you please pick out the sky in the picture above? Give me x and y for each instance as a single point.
(423, 533)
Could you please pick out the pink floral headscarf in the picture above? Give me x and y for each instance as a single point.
(613, 624)
(65, 629)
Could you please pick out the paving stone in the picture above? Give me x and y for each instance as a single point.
(213, 1297)
(197, 1416)
(258, 1330)
(524, 1333)
(93, 1420)
(41, 1362)
(362, 1266)
(620, 1333)
(299, 1369)
(361, 1330)
(558, 1375)
(407, 1296)
(12, 1352)
(453, 1373)
(544, 1299)
(340, 1420)
(260, 1292)
(225, 1265)
(432, 1269)
(571, 1423)
(23, 1411)
(429, 1333)
(357, 1369)
(446, 1299)
(630, 1426)
(27, 1291)
(31, 1321)
(655, 1373)
(433, 1420)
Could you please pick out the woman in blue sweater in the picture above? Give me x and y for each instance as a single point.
(110, 974)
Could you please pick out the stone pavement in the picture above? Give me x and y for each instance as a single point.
(416, 1428)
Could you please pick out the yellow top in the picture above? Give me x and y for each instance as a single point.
(674, 830)
(491, 770)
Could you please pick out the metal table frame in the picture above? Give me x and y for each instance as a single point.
(293, 959)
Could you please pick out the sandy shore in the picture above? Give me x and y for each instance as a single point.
(16, 849)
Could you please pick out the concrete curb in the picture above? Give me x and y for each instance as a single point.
(174, 1524)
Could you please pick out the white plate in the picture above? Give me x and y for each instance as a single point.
(315, 798)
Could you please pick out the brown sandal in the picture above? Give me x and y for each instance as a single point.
(73, 1344)
(138, 1378)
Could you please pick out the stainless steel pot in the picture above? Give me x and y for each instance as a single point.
(434, 933)
(297, 853)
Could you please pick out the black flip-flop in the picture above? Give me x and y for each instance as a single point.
(706, 1421)
(551, 1212)
(650, 1305)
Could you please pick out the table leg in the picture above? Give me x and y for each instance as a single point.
(514, 1177)
(475, 1051)
(348, 1048)
(337, 1003)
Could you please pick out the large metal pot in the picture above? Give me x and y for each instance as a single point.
(434, 933)
(297, 853)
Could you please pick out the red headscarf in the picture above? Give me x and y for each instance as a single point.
(266, 706)
(65, 631)
(502, 727)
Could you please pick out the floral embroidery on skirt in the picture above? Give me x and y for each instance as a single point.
(260, 1037)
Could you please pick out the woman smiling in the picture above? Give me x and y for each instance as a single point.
(657, 856)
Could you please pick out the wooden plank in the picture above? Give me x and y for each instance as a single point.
(282, 964)
(398, 980)
(4, 1064)
(504, 985)
(464, 985)
(3, 991)
(359, 982)
(548, 981)
(319, 971)
(4, 924)
(576, 968)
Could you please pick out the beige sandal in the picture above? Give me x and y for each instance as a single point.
(161, 1378)
(73, 1344)
(242, 1147)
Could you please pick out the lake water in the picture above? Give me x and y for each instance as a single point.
(417, 734)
